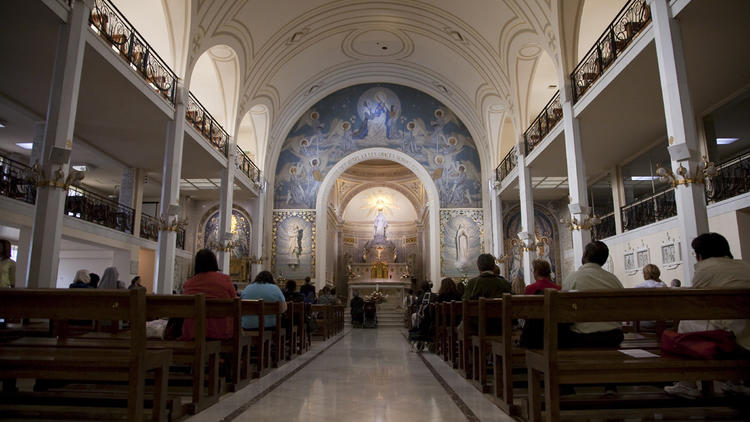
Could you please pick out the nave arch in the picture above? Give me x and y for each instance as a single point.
(324, 192)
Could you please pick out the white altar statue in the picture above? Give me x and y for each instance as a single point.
(380, 224)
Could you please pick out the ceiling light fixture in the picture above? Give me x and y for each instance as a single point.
(2, 123)
(644, 178)
(80, 168)
(25, 145)
(726, 141)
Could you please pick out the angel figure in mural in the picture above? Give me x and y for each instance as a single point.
(416, 132)
(296, 193)
(442, 118)
(462, 244)
(295, 241)
(341, 135)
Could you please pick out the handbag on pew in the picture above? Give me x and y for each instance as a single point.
(710, 344)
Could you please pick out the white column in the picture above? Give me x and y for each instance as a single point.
(58, 138)
(681, 130)
(225, 205)
(131, 194)
(22, 262)
(579, 203)
(498, 248)
(170, 194)
(615, 180)
(527, 236)
(258, 216)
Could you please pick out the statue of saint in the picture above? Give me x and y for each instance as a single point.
(380, 224)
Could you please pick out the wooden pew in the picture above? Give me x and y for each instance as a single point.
(235, 350)
(292, 332)
(130, 363)
(260, 339)
(505, 354)
(489, 310)
(278, 334)
(470, 313)
(437, 311)
(324, 320)
(299, 322)
(456, 308)
(578, 366)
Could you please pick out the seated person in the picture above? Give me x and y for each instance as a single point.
(716, 269)
(532, 336)
(215, 285)
(290, 292)
(651, 278)
(262, 288)
(357, 305)
(448, 291)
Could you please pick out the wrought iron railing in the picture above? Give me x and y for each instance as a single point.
(16, 181)
(649, 210)
(114, 28)
(89, 206)
(605, 228)
(615, 39)
(543, 124)
(507, 165)
(149, 228)
(202, 120)
(733, 179)
(181, 238)
(248, 167)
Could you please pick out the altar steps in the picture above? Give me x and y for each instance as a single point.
(386, 318)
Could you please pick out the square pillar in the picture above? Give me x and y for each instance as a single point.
(682, 132)
(131, 194)
(225, 207)
(527, 236)
(54, 157)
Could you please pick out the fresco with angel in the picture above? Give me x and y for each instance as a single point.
(378, 115)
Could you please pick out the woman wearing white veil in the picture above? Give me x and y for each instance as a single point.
(110, 280)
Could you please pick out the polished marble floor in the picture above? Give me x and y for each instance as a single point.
(362, 375)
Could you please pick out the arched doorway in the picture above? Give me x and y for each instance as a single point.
(321, 220)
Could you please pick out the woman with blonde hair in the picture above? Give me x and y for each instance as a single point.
(651, 275)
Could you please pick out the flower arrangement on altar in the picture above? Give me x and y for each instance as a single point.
(377, 297)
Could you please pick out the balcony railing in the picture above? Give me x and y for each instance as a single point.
(733, 179)
(605, 228)
(202, 120)
(543, 124)
(507, 165)
(94, 208)
(615, 39)
(649, 210)
(149, 228)
(15, 181)
(114, 28)
(248, 167)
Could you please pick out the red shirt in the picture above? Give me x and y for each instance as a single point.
(540, 285)
(214, 285)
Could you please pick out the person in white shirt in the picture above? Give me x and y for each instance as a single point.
(651, 275)
(716, 269)
(591, 276)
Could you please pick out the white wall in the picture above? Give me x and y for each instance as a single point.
(95, 261)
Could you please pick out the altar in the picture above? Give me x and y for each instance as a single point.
(395, 289)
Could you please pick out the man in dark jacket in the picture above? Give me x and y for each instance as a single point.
(488, 284)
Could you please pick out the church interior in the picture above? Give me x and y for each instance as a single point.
(372, 149)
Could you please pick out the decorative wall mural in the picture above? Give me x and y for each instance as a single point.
(544, 226)
(210, 237)
(461, 234)
(378, 115)
(294, 244)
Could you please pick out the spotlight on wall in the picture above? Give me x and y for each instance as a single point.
(2, 123)
(25, 145)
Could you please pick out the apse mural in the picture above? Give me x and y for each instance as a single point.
(241, 228)
(294, 244)
(545, 237)
(378, 115)
(461, 234)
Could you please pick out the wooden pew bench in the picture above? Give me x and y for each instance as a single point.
(199, 355)
(278, 334)
(577, 366)
(324, 319)
(128, 361)
(235, 350)
(260, 339)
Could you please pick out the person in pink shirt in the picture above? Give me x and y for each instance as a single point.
(542, 273)
(215, 285)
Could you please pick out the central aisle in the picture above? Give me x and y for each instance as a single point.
(368, 375)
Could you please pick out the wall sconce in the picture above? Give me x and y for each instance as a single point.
(59, 181)
(586, 222)
(171, 223)
(704, 170)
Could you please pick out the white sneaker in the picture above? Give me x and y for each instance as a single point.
(682, 390)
